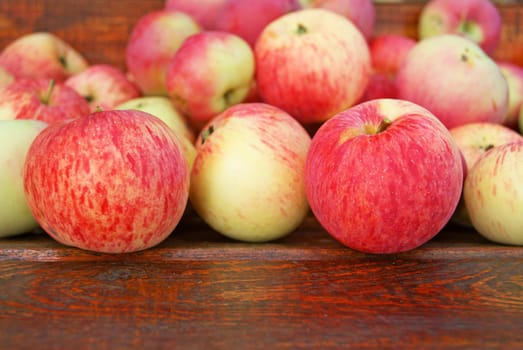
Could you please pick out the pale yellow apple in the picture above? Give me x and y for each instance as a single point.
(17, 136)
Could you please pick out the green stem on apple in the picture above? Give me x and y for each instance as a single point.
(301, 29)
(382, 126)
(47, 96)
(206, 133)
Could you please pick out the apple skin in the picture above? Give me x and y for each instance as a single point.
(387, 52)
(301, 64)
(513, 73)
(103, 86)
(112, 182)
(163, 108)
(203, 11)
(28, 98)
(5, 77)
(455, 80)
(154, 39)
(473, 140)
(476, 20)
(211, 71)
(493, 194)
(16, 136)
(41, 55)
(247, 19)
(247, 180)
(361, 12)
(385, 191)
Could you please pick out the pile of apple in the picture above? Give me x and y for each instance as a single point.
(254, 113)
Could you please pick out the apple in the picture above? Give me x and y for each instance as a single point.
(103, 86)
(163, 108)
(474, 139)
(476, 20)
(513, 73)
(5, 77)
(247, 19)
(203, 11)
(312, 63)
(112, 182)
(41, 99)
(454, 79)
(387, 52)
(247, 180)
(211, 71)
(361, 12)
(493, 194)
(384, 176)
(16, 136)
(41, 55)
(153, 41)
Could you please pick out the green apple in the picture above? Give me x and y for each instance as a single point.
(17, 136)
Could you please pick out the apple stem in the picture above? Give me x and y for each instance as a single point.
(206, 133)
(47, 97)
(382, 126)
(301, 29)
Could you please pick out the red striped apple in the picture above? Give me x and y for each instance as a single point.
(16, 136)
(476, 20)
(103, 86)
(153, 41)
(455, 80)
(384, 176)
(474, 139)
(41, 99)
(210, 72)
(312, 63)
(247, 178)
(112, 182)
(41, 55)
(493, 194)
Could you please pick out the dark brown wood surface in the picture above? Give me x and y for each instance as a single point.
(199, 290)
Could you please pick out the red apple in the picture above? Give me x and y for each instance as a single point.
(103, 86)
(41, 99)
(211, 71)
(361, 12)
(153, 41)
(247, 19)
(312, 63)
(454, 79)
(476, 20)
(384, 176)
(205, 12)
(114, 181)
(387, 52)
(41, 55)
(247, 178)
(513, 73)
